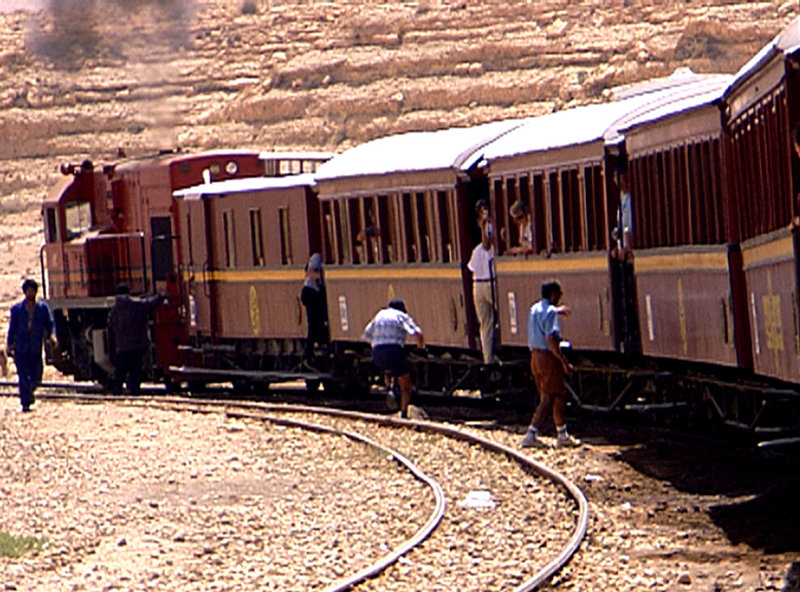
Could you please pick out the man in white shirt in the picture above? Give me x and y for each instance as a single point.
(481, 264)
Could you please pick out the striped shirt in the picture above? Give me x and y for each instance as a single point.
(390, 327)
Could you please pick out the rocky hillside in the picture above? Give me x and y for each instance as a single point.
(81, 78)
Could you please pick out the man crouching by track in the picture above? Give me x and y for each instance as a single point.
(548, 366)
(387, 333)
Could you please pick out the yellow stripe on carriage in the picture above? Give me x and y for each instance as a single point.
(682, 262)
(781, 249)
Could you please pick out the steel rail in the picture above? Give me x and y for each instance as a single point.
(539, 578)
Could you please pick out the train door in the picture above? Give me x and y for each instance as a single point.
(475, 190)
(195, 266)
(627, 337)
(161, 248)
(169, 330)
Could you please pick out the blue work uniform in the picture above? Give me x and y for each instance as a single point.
(27, 330)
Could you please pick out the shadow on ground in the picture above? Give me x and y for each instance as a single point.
(758, 490)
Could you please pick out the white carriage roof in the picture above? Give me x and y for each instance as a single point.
(414, 151)
(246, 184)
(603, 121)
(685, 104)
(785, 42)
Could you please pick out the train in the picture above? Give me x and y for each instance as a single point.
(668, 214)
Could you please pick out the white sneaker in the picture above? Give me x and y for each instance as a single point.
(567, 441)
(531, 441)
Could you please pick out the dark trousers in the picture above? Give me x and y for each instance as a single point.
(128, 364)
(29, 369)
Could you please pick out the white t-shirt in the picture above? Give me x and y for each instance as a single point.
(481, 263)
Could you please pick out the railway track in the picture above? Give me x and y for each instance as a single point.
(494, 519)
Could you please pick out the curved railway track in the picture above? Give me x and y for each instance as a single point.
(527, 562)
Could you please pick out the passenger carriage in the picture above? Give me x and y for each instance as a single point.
(245, 243)
(762, 108)
(398, 220)
(688, 276)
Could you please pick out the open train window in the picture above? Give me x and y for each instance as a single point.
(330, 244)
(405, 222)
(229, 238)
(554, 203)
(286, 236)
(79, 218)
(501, 227)
(572, 211)
(370, 234)
(539, 216)
(422, 237)
(51, 225)
(351, 224)
(511, 195)
(343, 231)
(256, 238)
(442, 217)
(386, 227)
(595, 218)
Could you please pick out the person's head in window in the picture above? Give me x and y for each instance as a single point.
(520, 212)
(485, 221)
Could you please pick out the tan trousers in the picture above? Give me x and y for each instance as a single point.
(484, 307)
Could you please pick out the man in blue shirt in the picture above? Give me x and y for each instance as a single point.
(387, 333)
(31, 322)
(548, 366)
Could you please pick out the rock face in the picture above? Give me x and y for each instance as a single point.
(86, 77)
(81, 78)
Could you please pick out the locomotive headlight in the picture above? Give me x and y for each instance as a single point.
(231, 167)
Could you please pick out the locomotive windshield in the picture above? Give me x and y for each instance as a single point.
(79, 218)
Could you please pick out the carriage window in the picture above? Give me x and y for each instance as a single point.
(443, 217)
(343, 228)
(369, 235)
(230, 239)
(539, 216)
(525, 190)
(406, 221)
(593, 181)
(286, 236)
(331, 246)
(556, 237)
(79, 218)
(51, 225)
(385, 233)
(571, 204)
(422, 235)
(256, 238)
(353, 222)
(289, 167)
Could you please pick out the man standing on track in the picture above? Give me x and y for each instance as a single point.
(31, 322)
(548, 366)
(387, 333)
